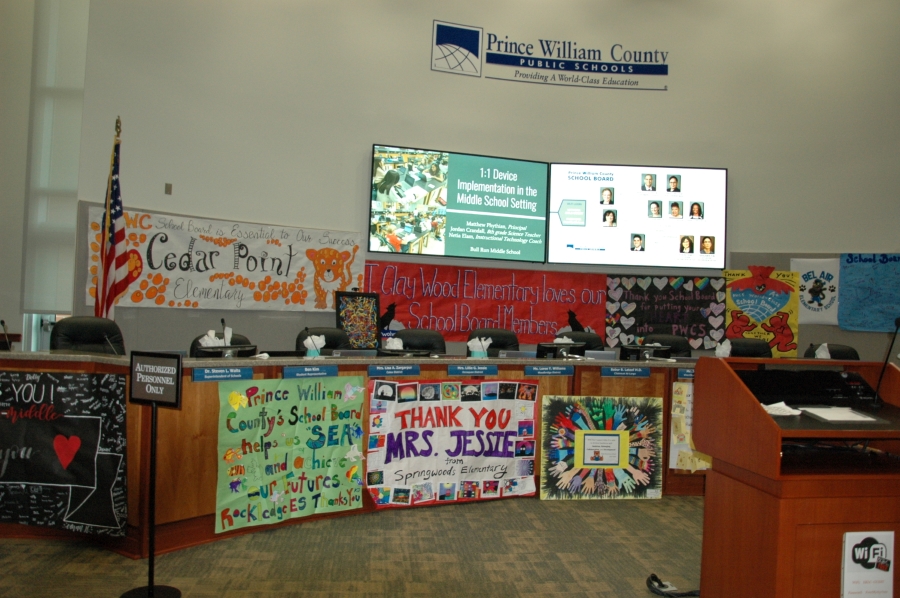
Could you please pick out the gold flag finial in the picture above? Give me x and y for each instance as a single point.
(118, 126)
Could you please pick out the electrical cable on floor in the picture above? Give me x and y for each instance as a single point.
(659, 587)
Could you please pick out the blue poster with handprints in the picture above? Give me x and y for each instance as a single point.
(870, 291)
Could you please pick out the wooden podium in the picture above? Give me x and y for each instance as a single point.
(774, 520)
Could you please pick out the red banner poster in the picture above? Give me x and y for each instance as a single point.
(454, 301)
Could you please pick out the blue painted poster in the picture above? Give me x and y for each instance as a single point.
(869, 298)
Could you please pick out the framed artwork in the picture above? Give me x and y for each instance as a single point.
(357, 315)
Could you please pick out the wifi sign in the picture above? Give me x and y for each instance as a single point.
(868, 552)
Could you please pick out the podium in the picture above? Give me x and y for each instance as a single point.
(774, 519)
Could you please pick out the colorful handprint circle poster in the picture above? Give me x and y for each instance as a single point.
(602, 447)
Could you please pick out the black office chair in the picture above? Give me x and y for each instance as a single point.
(680, 345)
(750, 347)
(87, 334)
(335, 338)
(196, 349)
(501, 340)
(844, 352)
(591, 340)
(422, 339)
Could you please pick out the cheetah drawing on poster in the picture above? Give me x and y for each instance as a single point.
(332, 269)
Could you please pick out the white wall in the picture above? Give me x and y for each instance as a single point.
(266, 110)
(16, 24)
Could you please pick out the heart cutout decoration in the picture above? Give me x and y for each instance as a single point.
(66, 448)
(629, 282)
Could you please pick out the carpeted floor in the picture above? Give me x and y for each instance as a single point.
(515, 547)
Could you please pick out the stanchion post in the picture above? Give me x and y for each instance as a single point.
(155, 380)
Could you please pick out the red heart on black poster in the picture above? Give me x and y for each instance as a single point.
(66, 448)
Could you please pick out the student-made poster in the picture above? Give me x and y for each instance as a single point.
(819, 289)
(682, 453)
(62, 451)
(288, 448)
(601, 447)
(535, 304)
(692, 307)
(869, 297)
(762, 303)
(433, 442)
(177, 261)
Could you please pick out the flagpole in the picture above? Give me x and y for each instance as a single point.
(101, 287)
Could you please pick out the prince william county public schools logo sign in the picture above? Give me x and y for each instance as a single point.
(465, 50)
(456, 49)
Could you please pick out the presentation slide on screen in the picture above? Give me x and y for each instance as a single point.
(461, 205)
(637, 216)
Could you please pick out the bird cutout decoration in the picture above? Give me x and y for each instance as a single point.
(350, 392)
(387, 317)
(353, 454)
(574, 323)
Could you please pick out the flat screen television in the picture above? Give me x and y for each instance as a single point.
(438, 203)
(666, 216)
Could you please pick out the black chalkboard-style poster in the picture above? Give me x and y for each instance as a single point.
(62, 451)
(692, 307)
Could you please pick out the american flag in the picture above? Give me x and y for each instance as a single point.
(112, 278)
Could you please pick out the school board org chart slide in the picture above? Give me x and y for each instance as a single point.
(458, 205)
(637, 216)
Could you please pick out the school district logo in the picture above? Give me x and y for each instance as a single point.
(456, 49)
